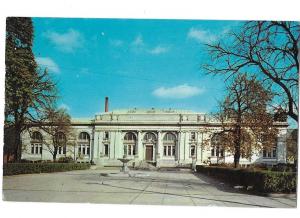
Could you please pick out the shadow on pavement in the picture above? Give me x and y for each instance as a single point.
(179, 195)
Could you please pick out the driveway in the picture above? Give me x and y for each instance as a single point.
(143, 187)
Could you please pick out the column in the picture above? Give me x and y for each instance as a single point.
(281, 146)
(119, 144)
(96, 147)
(181, 146)
(185, 146)
(140, 155)
(199, 149)
(205, 145)
(91, 144)
(112, 146)
(159, 148)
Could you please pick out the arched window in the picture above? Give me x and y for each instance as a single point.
(169, 137)
(36, 143)
(216, 147)
(169, 143)
(37, 136)
(84, 136)
(129, 136)
(84, 144)
(61, 142)
(149, 137)
(129, 143)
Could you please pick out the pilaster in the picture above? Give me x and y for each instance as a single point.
(199, 150)
(159, 148)
(139, 146)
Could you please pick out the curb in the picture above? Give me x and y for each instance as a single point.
(282, 195)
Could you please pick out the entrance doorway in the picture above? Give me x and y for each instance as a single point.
(149, 152)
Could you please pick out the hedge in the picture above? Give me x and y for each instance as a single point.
(28, 168)
(260, 181)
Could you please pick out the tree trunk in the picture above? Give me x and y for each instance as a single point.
(237, 147)
(54, 154)
(17, 144)
(237, 155)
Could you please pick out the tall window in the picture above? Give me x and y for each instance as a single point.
(84, 144)
(36, 143)
(216, 148)
(169, 144)
(270, 153)
(193, 150)
(61, 141)
(106, 151)
(129, 143)
(193, 136)
(106, 135)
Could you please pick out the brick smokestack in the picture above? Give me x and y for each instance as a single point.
(106, 104)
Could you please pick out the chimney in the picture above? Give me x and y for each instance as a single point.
(106, 104)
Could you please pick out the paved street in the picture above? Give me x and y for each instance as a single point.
(143, 187)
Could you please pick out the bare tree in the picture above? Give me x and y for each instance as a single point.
(57, 124)
(268, 49)
(246, 124)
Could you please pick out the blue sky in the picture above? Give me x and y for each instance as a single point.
(136, 63)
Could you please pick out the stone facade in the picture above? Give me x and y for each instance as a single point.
(166, 138)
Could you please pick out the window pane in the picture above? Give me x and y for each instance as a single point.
(212, 152)
(106, 149)
(264, 153)
(274, 152)
(269, 154)
(192, 150)
(41, 150)
(83, 150)
(193, 136)
(173, 150)
(165, 150)
(129, 150)
(36, 149)
(32, 149)
(169, 150)
(222, 153)
(88, 150)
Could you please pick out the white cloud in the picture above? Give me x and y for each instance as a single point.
(84, 70)
(159, 50)
(179, 92)
(138, 41)
(139, 46)
(116, 42)
(46, 62)
(202, 36)
(66, 42)
(64, 106)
